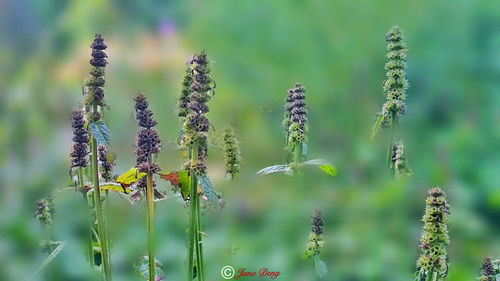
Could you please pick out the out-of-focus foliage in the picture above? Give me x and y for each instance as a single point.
(257, 50)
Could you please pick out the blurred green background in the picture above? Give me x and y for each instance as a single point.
(258, 50)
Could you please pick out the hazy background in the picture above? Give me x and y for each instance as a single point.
(258, 50)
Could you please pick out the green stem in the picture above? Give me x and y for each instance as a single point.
(89, 242)
(199, 246)
(392, 141)
(315, 276)
(99, 214)
(193, 154)
(106, 228)
(192, 228)
(149, 194)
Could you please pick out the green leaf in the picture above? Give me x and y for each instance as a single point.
(129, 177)
(142, 268)
(276, 169)
(100, 132)
(307, 255)
(320, 267)
(178, 179)
(209, 191)
(115, 187)
(377, 125)
(50, 257)
(323, 165)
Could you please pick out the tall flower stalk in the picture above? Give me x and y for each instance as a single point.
(232, 156)
(395, 86)
(44, 214)
(79, 160)
(316, 244)
(295, 127)
(194, 140)
(295, 122)
(432, 264)
(94, 101)
(147, 145)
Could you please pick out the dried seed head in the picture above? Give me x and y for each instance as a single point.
(231, 154)
(94, 94)
(395, 84)
(79, 153)
(106, 164)
(398, 159)
(434, 239)
(44, 212)
(148, 141)
(316, 242)
(295, 121)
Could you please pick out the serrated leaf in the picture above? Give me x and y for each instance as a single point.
(323, 165)
(179, 179)
(116, 187)
(276, 169)
(100, 132)
(130, 177)
(142, 268)
(320, 267)
(377, 125)
(209, 192)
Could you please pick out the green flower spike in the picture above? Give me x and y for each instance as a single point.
(433, 262)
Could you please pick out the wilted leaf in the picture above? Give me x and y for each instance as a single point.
(116, 187)
(179, 179)
(276, 169)
(209, 191)
(320, 267)
(377, 125)
(323, 165)
(129, 177)
(100, 132)
(142, 268)
(135, 197)
(158, 196)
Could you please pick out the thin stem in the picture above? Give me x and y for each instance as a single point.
(315, 276)
(149, 194)
(106, 220)
(296, 155)
(89, 242)
(391, 144)
(199, 246)
(99, 214)
(193, 154)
